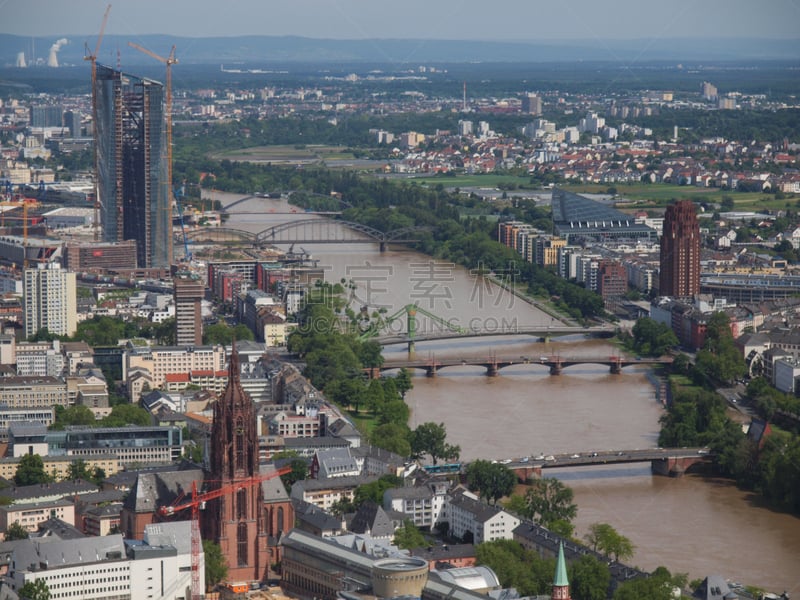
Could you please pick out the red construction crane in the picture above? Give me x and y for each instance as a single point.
(93, 58)
(198, 501)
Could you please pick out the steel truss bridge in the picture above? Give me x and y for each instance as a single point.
(306, 231)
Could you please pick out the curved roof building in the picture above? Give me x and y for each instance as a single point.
(576, 217)
(479, 579)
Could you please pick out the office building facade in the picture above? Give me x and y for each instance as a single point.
(680, 252)
(132, 161)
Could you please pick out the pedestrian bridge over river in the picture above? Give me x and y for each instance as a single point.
(555, 364)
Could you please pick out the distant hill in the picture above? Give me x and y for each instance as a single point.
(274, 50)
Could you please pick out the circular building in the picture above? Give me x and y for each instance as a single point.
(393, 577)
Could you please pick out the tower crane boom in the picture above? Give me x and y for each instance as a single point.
(93, 58)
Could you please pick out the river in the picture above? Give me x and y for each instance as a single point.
(695, 525)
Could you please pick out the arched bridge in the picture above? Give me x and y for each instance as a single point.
(672, 462)
(307, 231)
(493, 364)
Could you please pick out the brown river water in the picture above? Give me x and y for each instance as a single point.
(694, 524)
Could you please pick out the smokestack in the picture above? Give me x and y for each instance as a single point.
(52, 58)
(21, 60)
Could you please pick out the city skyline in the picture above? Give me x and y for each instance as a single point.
(512, 20)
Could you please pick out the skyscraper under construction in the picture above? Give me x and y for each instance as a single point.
(135, 202)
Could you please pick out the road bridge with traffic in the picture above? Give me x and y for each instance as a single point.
(671, 462)
(493, 364)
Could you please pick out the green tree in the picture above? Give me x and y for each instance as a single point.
(342, 506)
(78, 469)
(604, 538)
(223, 334)
(369, 354)
(408, 536)
(127, 414)
(516, 567)
(16, 531)
(492, 480)
(589, 578)
(394, 411)
(216, 565)
(658, 586)
(403, 381)
(78, 414)
(35, 590)
(30, 471)
(298, 473)
(374, 396)
(720, 358)
(430, 438)
(549, 503)
(651, 338)
(374, 490)
(393, 437)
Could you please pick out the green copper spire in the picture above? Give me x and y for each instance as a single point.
(561, 569)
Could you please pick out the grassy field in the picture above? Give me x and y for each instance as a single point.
(287, 154)
(641, 194)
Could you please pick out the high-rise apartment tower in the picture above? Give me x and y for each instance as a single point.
(50, 300)
(189, 294)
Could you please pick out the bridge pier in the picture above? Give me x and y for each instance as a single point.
(491, 370)
(555, 369)
(673, 467)
(616, 368)
(382, 246)
(529, 472)
(431, 371)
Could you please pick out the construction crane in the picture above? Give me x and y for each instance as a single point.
(198, 502)
(169, 61)
(93, 58)
(182, 195)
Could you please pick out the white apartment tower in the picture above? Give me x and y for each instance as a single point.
(50, 301)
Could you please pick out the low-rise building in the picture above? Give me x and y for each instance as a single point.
(466, 514)
(422, 504)
(109, 567)
(30, 515)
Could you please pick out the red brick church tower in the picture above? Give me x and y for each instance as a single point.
(236, 521)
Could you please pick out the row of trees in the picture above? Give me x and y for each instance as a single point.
(589, 577)
(31, 471)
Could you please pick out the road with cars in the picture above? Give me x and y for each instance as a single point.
(550, 461)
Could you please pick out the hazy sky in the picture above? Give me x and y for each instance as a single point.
(527, 20)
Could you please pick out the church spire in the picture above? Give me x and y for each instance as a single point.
(561, 582)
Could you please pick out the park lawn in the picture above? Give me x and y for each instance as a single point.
(285, 153)
(489, 180)
(661, 194)
(364, 421)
